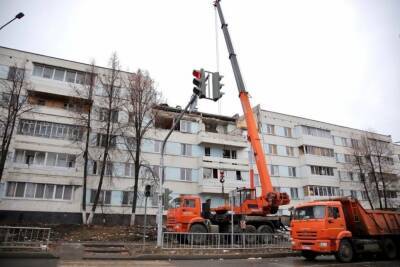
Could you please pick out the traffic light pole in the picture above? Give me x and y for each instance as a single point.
(162, 177)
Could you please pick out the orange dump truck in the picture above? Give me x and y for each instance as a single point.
(342, 227)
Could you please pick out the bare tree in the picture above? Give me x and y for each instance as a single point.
(141, 98)
(374, 159)
(382, 156)
(84, 119)
(360, 167)
(370, 164)
(13, 104)
(110, 103)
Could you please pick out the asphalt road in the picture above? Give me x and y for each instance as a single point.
(273, 262)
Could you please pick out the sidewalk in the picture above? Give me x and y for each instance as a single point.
(136, 251)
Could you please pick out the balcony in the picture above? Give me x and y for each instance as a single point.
(232, 140)
(224, 163)
(315, 141)
(212, 185)
(308, 159)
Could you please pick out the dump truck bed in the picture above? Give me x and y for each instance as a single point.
(362, 222)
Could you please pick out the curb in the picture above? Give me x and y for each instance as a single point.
(25, 255)
(145, 257)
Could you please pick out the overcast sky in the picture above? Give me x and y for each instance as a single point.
(337, 61)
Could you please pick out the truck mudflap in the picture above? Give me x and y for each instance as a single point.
(317, 246)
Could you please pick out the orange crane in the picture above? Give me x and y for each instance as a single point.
(249, 211)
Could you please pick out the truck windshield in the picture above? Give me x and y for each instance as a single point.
(312, 212)
(176, 203)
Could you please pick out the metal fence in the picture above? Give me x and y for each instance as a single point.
(34, 237)
(224, 240)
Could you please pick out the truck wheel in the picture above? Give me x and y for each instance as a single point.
(265, 229)
(251, 230)
(345, 253)
(389, 249)
(309, 255)
(196, 235)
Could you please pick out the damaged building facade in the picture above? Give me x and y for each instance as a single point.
(43, 176)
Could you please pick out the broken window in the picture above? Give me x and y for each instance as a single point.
(162, 122)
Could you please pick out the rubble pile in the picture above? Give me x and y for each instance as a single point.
(78, 233)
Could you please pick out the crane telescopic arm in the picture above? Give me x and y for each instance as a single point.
(253, 136)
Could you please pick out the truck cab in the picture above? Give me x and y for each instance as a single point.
(317, 228)
(185, 211)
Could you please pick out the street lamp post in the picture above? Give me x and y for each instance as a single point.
(162, 177)
(18, 16)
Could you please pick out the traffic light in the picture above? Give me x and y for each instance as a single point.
(221, 177)
(216, 86)
(199, 82)
(147, 190)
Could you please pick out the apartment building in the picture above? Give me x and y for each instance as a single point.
(44, 170)
(315, 160)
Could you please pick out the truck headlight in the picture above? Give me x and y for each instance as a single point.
(323, 244)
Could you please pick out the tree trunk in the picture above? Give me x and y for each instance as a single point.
(135, 186)
(375, 181)
(366, 191)
(7, 140)
(85, 166)
(133, 217)
(383, 182)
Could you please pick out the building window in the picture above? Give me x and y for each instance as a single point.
(104, 197)
(318, 151)
(315, 190)
(129, 169)
(103, 115)
(185, 126)
(15, 74)
(288, 131)
(316, 131)
(207, 173)
(39, 191)
(347, 158)
(274, 170)
(207, 151)
(127, 198)
(294, 193)
(271, 149)
(60, 74)
(321, 170)
(238, 175)
(186, 149)
(215, 173)
(229, 154)
(186, 174)
(109, 168)
(50, 130)
(363, 195)
(101, 140)
(256, 179)
(353, 193)
(44, 158)
(290, 151)
(157, 146)
(292, 171)
(270, 129)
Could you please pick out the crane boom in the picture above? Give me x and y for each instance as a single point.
(274, 198)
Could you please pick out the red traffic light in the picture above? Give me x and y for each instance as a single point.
(197, 74)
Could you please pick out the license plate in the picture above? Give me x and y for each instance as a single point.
(306, 247)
